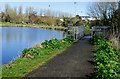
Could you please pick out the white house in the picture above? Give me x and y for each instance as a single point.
(88, 19)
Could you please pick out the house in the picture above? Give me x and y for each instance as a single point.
(84, 18)
(88, 18)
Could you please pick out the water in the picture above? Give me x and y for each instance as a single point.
(15, 39)
(87, 36)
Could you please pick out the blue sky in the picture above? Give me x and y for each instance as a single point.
(69, 7)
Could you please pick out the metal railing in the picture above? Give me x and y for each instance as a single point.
(101, 30)
(76, 32)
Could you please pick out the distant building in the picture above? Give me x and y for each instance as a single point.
(84, 18)
(88, 18)
(61, 20)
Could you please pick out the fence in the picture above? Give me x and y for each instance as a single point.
(76, 31)
(101, 30)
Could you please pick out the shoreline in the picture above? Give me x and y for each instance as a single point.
(35, 26)
(26, 65)
(26, 26)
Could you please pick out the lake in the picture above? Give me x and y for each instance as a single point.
(15, 39)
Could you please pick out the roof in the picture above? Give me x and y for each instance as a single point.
(85, 16)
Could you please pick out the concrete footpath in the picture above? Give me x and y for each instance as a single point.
(75, 62)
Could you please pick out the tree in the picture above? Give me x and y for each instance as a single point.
(33, 19)
(13, 15)
(41, 12)
(26, 16)
(109, 14)
(7, 17)
(103, 11)
(20, 16)
(58, 22)
(20, 10)
(7, 9)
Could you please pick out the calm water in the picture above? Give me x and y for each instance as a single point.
(15, 39)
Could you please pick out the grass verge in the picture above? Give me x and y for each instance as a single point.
(25, 25)
(23, 65)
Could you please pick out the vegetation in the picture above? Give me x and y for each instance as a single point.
(76, 21)
(26, 25)
(106, 60)
(34, 57)
(87, 29)
(52, 44)
(107, 14)
(41, 17)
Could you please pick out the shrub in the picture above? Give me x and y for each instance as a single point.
(69, 39)
(52, 44)
(106, 60)
(98, 40)
(24, 52)
(47, 47)
(31, 52)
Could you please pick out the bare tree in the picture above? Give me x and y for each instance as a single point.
(7, 9)
(109, 13)
(20, 9)
(103, 10)
(41, 12)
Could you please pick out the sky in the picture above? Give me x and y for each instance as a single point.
(57, 0)
(80, 8)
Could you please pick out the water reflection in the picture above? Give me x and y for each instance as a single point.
(15, 39)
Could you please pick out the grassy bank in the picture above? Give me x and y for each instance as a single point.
(36, 56)
(58, 28)
(25, 25)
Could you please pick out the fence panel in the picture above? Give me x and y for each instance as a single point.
(101, 30)
(76, 31)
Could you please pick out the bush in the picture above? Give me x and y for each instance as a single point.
(52, 44)
(68, 39)
(24, 52)
(31, 52)
(47, 47)
(56, 44)
(98, 40)
(106, 59)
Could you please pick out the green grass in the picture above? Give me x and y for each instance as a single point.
(0, 72)
(22, 66)
(28, 25)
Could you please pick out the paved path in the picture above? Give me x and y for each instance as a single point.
(74, 62)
